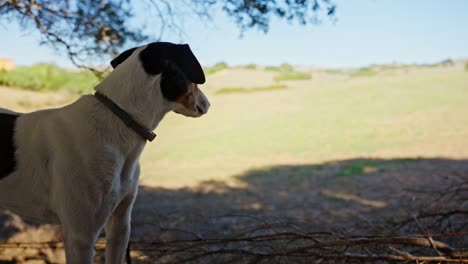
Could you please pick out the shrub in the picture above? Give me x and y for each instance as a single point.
(272, 87)
(466, 66)
(446, 63)
(364, 72)
(272, 68)
(216, 68)
(48, 77)
(334, 71)
(285, 67)
(251, 66)
(286, 73)
(293, 76)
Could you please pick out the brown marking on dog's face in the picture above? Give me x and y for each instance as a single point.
(188, 99)
(193, 103)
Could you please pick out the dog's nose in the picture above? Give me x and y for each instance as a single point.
(199, 109)
(203, 104)
(203, 107)
(207, 106)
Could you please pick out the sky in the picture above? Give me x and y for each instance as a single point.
(365, 32)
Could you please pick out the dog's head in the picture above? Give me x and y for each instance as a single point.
(180, 73)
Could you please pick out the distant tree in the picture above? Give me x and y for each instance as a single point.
(446, 63)
(92, 28)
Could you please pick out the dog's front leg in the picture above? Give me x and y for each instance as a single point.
(79, 246)
(118, 231)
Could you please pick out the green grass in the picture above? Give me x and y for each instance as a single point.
(229, 90)
(423, 112)
(215, 68)
(334, 71)
(282, 68)
(364, 72)
(250, 66)
(357, 169)
(286, 72)
(48, 77)
(372, 166)
(293, 76)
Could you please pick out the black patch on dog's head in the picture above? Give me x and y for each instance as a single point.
(155, 55)
(174, 83)
(176, 62)
(123, 56)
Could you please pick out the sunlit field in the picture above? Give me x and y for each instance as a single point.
(412, 112)
(409, 111)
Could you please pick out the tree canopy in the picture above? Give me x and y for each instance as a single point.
(88, 28)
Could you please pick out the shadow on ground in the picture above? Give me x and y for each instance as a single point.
(357, 196)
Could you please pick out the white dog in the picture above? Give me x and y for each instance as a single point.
(79, 165)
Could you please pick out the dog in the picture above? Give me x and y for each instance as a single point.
(78, 166)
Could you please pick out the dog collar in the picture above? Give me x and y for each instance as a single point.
(125, 117)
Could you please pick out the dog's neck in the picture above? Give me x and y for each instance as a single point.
(137, 93)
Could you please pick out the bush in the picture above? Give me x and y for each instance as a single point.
(285, 67)
(251, 66)
(333, 71)
(286, 73)
(272, 68)
(364, 72)
(466, 66)
(48, 77)
(272, 87)
(293, 76)
(215, 68)
(446, 63)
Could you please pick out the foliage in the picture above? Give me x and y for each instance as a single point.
(82, 28)
(251, 66)
(293, 76)
(364, 72)
(466, 66)
(271, 68)
(446, 63)
(215, 68)
(86, 30)
(273, 87)
(365, 167)
(286, 73)
(48, 77)
(334, 71)
(282, 68)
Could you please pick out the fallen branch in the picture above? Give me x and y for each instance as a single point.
(318, 246)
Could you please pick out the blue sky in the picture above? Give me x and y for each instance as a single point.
(366, 31)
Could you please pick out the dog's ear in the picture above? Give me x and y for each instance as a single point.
(174, 83)
(122, 57)
(156, 54)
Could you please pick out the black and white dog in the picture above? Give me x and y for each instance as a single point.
(78, 165)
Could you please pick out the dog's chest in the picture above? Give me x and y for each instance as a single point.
(7, 145)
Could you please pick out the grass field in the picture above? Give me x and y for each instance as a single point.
(417, 112)
(338, 151)
(423, 112)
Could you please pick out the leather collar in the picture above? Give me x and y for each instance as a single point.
(125, 117)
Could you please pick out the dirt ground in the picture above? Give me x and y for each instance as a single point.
(358, 196)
